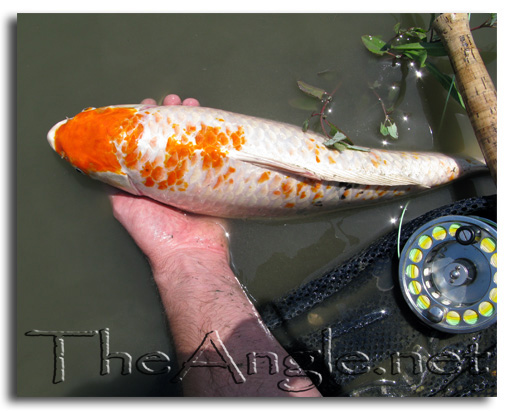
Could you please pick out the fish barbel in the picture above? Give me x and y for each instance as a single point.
(218, 163)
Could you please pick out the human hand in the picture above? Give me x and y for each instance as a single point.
(161, 231)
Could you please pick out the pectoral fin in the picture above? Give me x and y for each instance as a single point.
(325, 173)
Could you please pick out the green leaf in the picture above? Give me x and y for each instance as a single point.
(346, 146)
(338, 137)
(383, 129)
(374, 44)
(432, 49)
(419, 51)
(311, 90)
(393, 130)
(447, 82)
(341, 146)
(435, 49)
(334, 130)
(341, 142)
(417, 32)
(305, 125)
(419, 56)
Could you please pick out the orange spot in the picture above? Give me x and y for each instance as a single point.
(218, 183)
(237, 138)
(223, 139)
(172, 177)
(264, 177)
(86, 140)
(299, 187)
(289, 205)
(149, 182)
(287, 188)
(318, 195)
(132, 159)
(228, 172)
(158, 174)
(331, 160)
(277, 192)
(206, 162)
(147, 170)
(316, 187)
(158, 116)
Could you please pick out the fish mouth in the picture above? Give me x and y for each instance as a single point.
(51, 134)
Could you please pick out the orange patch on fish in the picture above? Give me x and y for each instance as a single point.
(207, 144)
(287, 188)
(264, 177)
(228, 173)
(299, 187)
(87, 140)
(218, 183)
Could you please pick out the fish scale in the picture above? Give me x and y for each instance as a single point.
(214, 162)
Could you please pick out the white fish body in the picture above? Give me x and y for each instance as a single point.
(213, 162)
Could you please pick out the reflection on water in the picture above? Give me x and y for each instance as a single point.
(78, 269)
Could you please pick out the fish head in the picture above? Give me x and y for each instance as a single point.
(89, 142)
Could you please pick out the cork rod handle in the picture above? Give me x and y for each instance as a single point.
(473, 81)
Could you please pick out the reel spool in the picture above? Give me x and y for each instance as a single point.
(448, 273)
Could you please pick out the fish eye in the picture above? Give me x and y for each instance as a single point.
(79, 170)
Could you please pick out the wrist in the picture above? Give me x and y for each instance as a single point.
(186, 263)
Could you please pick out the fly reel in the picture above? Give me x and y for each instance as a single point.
(448, 273)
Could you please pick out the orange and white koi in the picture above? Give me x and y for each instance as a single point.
(213, 162)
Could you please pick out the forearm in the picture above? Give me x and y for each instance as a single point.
(211, 316)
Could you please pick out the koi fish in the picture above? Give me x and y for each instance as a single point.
(218, 163)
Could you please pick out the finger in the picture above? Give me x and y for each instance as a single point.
(193, 102)
(172, 100)
(149, 101)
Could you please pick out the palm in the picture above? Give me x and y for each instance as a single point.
(161, 230)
